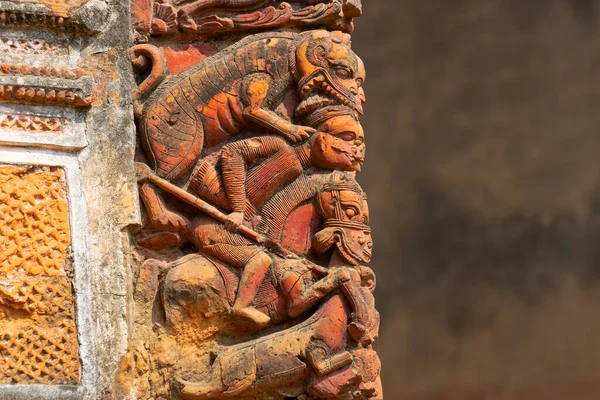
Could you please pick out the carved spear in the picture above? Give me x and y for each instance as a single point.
(144, 173)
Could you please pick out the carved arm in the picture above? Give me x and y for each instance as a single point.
(256, 91)
(301, 298)
(235, 156)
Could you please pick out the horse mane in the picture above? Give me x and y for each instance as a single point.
(276, 210)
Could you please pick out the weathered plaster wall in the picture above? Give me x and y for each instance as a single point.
(483, 180)
(112, 193)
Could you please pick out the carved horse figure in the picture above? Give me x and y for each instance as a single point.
(244, 189)
(198, 291)
(251, 171)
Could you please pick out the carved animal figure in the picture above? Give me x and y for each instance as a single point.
(239, 90)
(276, 163)
(197, 291)
(339, 144)
(340, 223)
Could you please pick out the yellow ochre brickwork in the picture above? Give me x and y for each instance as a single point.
(38, 337)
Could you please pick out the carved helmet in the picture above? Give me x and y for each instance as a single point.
(343, 206)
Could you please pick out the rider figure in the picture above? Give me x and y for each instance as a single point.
(338, 145)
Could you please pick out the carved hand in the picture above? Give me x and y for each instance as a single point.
(368, 279)
(234, 221)
(301, 133)
(339, 276)
(142, 172)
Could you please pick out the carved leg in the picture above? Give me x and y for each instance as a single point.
(323, 361)
(158, 216)
(210, 388)
(362, 373)
(256, 91)
(252, 276)
(361, 320)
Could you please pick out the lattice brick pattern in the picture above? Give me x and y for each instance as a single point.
(37, 295)
(34, 228)
(40, 355)
(38, 337)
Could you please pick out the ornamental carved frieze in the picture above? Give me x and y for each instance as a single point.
(203, 17)
(252, 279)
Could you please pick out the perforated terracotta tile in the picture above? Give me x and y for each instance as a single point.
(38, 337)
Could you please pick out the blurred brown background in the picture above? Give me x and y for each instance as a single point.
(483, 174)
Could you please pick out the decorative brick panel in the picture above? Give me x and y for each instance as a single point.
(38, 337)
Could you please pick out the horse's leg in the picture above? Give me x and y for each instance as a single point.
(361, 316)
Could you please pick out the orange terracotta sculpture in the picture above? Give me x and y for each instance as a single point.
(219, 16)
(256, 233)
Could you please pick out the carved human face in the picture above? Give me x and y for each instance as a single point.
(348, 73)
(360, 80)
(346, 225)
(330, 70)
(340, 144)
(356, 242)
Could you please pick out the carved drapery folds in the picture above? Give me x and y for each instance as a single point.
(253, 279)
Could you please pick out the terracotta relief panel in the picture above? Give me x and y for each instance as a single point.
(248, 265)
(252, 279)
(47, 85)
(31, 45)
(38, 336)
(34, 123)
(62, 8)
